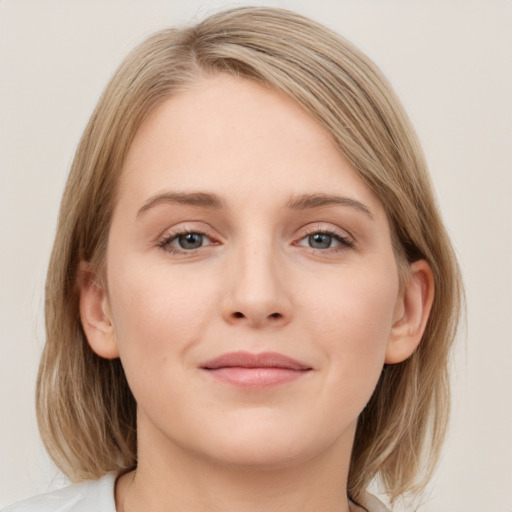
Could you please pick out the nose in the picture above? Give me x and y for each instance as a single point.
(256, 292)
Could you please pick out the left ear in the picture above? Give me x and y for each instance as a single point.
(411, 313)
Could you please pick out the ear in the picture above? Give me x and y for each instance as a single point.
(95, 313)
(411, 313)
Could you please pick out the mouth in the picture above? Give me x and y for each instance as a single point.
(247, 370)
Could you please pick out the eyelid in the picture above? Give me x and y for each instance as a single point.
(345, 239)
(324, 228)
(164, 241)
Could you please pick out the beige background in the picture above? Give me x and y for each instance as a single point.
(451, 63)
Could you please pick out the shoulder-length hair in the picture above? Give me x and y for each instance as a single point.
(86, 411)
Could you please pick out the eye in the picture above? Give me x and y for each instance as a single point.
(320, 241)
(185, 241)
(190, 240)
(323, 240)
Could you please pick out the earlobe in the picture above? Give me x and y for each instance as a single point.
(95, 314)
(411, 313)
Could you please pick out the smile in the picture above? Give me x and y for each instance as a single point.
(254, 371)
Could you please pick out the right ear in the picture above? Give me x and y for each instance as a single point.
(95, 313)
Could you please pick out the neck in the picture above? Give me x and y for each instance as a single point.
(176, 480)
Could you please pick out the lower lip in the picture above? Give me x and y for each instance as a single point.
(254, 378)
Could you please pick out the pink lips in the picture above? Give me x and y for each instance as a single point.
(249, 370)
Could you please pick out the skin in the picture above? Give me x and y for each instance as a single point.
(255, 284)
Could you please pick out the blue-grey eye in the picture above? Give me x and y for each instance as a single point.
(190, 240)
(320, 241)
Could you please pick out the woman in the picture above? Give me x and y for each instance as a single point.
(251, 297)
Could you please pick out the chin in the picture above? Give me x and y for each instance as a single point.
(262, 456)
(267, 447)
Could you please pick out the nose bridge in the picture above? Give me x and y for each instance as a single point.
(257, 291)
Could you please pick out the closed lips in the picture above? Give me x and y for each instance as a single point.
(249, 360)
(252, 372)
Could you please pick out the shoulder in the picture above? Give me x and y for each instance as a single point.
(372, 504)
(97, 495)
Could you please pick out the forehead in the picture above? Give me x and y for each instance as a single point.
(232, 135)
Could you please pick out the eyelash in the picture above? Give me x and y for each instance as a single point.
(345, 242)
(165, 244)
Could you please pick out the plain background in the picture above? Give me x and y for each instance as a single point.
(450, 62)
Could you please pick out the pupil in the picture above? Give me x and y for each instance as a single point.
(190, 241)
(320, 241)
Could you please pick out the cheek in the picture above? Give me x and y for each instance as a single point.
(158, 315)
(357, 303)
(147, 297)
(357, 312)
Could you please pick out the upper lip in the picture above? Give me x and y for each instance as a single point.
(250, 360)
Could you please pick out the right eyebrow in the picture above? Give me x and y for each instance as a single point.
(202, 199)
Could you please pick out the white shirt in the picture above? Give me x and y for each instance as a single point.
(98, 496)
(89, 496)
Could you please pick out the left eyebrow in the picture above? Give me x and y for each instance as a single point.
(307, 201)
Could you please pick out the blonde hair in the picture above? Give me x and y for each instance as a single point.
(86, 411)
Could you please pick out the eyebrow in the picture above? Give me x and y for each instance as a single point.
(187, 198)
(213, 201)
(308, 201)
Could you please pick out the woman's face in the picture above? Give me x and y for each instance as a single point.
(251, 282)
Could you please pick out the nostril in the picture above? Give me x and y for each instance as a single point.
(238, 314)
